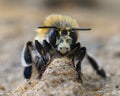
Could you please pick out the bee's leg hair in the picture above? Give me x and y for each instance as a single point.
(47, 46)
(27, 61)
(41, 59)
(80, 56)
(27, 72)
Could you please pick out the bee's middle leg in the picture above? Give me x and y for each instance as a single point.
(78, 54)
(79, 57)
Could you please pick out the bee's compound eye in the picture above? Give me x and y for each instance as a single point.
(52, 37)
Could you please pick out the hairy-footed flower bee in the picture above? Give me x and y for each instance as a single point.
(59, 35)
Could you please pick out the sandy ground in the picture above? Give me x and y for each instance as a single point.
(17, 25)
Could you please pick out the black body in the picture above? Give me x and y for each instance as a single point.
(47, 48)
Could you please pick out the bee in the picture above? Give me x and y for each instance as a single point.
(58, 35)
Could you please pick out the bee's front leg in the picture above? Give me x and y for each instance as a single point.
(81, 52)
(40, 56)
(77, 54)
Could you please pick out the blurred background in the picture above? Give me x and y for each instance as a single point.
(20, 18)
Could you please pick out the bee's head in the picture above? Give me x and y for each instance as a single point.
(63, 39)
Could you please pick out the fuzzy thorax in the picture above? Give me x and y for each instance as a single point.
(59, 21)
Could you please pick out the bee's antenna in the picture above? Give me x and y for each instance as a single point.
(48, 27)
(82, 29)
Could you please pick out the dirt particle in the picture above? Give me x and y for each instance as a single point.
(117, 86)
(98, 95)
(2, 87)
